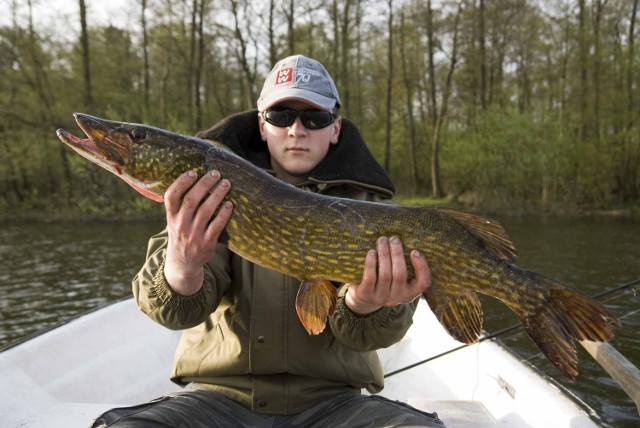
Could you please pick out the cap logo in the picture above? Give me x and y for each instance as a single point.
(284, 76)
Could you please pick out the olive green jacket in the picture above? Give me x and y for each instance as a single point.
(242, 336)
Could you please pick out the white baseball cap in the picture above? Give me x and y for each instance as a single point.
(299, 78)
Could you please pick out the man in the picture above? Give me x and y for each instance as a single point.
(244, 356)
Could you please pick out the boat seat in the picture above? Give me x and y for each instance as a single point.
(457, 413)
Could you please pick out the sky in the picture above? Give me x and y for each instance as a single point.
(65, 12)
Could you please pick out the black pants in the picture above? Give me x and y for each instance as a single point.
(197, 408)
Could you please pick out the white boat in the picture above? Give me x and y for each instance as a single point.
(116, 356)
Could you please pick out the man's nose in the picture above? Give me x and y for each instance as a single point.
(297, 128)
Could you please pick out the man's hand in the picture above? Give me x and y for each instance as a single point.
(193, 226)
(387, 285)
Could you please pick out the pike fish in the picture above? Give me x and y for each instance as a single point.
(319, 239)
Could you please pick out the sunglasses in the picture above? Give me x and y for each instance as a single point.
(311, 119)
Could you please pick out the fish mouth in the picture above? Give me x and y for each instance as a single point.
(101, 146)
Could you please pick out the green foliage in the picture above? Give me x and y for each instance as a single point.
(507, 159)
(421, 201)
(542, 114)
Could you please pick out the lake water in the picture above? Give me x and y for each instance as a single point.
(50, 273)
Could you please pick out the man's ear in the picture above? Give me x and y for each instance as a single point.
(336, 128)
(261, 124)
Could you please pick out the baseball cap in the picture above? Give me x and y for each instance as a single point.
(299, 78)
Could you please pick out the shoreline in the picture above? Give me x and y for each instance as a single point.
(46, 217)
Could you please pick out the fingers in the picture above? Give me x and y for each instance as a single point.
(196, 209)
(218, 223)
(196, 215)
(367, 287)
(385, 266)
(205, 197)
(361, 297)
(200, 197)
(391, 288)
(398, 264)
(392, 268)
(370, 275)
(422, 271)
(175, 192)
(386, 283)
(194, 198)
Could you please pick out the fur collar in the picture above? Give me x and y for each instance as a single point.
(349, 161)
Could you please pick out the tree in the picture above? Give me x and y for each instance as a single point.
(477, 111)
(583, 49)
(145, 54)
(387, 139)
(86, 64)
(483, 55)
(202, 8)
(440, 111)
(409, 90)
(242, 50)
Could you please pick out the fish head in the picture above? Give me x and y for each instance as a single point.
(149, 159)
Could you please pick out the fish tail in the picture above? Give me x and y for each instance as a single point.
(567, 315)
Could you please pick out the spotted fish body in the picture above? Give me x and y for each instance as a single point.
(318, 239)
(311, 236)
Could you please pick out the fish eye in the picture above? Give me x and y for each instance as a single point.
(138, 134)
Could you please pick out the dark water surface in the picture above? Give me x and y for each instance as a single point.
(592, 255)
(49, 273)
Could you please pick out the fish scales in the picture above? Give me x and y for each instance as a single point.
(339, 232)
(318, 239)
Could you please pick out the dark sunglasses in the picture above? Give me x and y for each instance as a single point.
(311, 119)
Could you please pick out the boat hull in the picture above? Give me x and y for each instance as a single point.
(116, 356)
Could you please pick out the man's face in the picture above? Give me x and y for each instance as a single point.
(296, 150)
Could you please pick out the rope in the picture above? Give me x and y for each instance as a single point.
(614, 289)
(508, 329)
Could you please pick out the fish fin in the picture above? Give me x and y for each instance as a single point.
(459, 312)
(565, 316)
(315, 301)
(489, 232)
